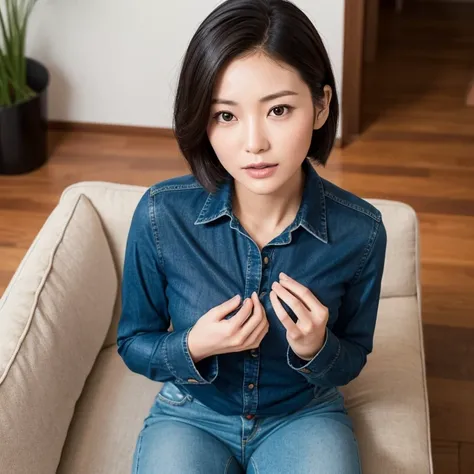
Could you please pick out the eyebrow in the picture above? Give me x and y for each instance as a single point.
(267, 98)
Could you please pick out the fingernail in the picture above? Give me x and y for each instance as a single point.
(236, 297)
(283, 276)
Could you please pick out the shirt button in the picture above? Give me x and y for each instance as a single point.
(306, 371)
(192, 381)
(254, 353)
(263, 293)
(249, 417)
(251, 386)
(266, 260)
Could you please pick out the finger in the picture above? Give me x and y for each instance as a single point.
(258, 334)
(264, 332)
(222, 310)
(258, 303)
(302, 292)
(287, 322)
(302, 313)
(243, 314)
(252, 323)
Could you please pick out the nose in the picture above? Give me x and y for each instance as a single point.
(256, 139)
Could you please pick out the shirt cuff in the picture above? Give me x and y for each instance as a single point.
(322, 362)
(181, 364)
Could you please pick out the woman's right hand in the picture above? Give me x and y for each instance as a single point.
(213, 334)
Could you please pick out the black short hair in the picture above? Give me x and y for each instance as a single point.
(236, 27)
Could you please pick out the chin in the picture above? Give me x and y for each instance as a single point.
(263, 186)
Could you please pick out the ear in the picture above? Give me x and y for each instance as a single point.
(321, 112)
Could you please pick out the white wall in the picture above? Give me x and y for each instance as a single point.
(117, 61)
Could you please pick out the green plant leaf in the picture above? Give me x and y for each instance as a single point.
(6, 34)
(5, 99)
(13, 25)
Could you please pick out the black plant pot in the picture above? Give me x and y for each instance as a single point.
(24, 127)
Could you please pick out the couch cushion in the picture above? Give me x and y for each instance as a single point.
(108, 418)
(115, 204)
(54, 317)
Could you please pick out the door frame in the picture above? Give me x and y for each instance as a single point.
(353, 58)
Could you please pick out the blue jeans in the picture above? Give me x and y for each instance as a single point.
(183, 436)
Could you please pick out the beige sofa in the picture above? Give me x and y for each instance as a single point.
(69, 405)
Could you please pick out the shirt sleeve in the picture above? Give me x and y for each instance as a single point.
(143, 339)
(344, 352)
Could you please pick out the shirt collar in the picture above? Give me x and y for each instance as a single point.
(311, 214)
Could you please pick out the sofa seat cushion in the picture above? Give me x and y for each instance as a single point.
(108, 418)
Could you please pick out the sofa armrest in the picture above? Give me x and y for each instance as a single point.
(388, 402)
(54, 316)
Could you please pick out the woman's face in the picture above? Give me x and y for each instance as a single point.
(247, 127)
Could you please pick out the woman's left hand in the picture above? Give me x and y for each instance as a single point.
(306, 336)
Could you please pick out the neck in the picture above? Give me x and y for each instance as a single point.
(269, 212)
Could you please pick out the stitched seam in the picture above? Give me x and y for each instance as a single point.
(204, 209)
(174, 187)
(242, 443)
(227, 465)
(258, 427)
(356, 207)
(254, 465)
(331, 364)
(170, 368)
(190, 360)
(368, 250)
(39, 291)
(154, 227)
(247, 271)
(171, 402)
(139, 448)
(323, 207)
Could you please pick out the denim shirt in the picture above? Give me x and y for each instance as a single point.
(187, 253)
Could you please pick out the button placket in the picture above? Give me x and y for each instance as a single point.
(251, 362)
(265, 270)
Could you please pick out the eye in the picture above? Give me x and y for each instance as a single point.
(226, 116)
(279, 110)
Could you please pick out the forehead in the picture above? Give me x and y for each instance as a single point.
(255, 76)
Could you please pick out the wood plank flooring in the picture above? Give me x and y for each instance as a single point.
(417, 147)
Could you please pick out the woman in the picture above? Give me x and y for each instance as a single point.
(250, 383)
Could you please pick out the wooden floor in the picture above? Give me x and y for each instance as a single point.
(417, 147)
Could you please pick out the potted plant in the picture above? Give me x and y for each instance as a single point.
(23, 90)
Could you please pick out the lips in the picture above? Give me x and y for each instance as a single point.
(259, 167)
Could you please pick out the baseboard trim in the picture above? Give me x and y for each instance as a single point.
(109, 128)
